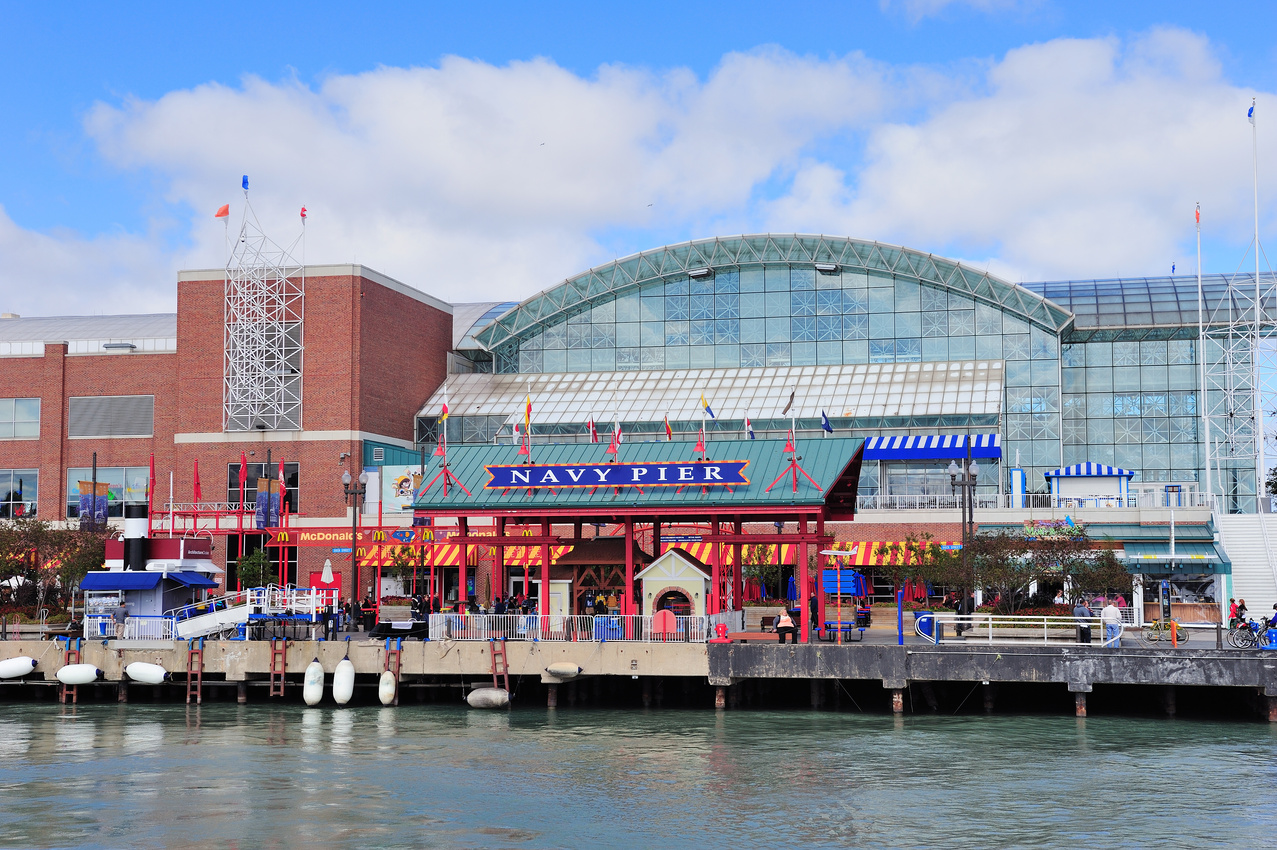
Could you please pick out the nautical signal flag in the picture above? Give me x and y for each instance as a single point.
(1250, 113)
(223, 211)
(789, 403)
(1197, 214)
(444, 413)
(824, 422)
(593, 431)
(749, 428)
(527, 415)
(303, 215)
(244, 183)
(705, 406)
(669, 432)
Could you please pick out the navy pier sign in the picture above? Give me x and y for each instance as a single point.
(693, 473)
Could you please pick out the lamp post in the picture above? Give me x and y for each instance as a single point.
(963, 478)
(355, 491)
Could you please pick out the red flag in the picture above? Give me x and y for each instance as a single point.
(669, 432)
(199, 494)
(594, 433)
(303, 215)
(223, 211)
(1198, 214)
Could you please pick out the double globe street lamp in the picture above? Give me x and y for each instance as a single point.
(354, 491)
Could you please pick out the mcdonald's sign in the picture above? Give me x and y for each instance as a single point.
(379, 536)
(281, 537)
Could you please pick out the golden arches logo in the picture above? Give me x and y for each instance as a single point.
(379, 536)
(360, 553)
(282, 537)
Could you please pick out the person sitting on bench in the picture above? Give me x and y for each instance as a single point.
(785, 626)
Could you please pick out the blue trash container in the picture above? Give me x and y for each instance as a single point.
(926, 623)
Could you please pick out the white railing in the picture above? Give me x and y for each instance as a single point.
(97, 626)
(1013, 629)
(576, 627)
(1144, 497)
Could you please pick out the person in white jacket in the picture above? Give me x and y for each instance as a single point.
(1111, 617)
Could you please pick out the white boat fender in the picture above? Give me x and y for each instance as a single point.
(313, 683)
(147, 674)
(344, 681)
(564, 670)
(78, 674)
(488, 698)
(386, 688)
(12, 668)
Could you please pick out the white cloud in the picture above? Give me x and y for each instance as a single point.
(471, 181)
(1081, 158)
(916, 10)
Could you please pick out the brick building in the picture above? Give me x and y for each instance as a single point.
(371, 351)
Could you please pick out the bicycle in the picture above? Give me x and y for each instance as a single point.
(1249, 634)
(1160, 630)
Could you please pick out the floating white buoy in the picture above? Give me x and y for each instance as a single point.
(344, 681)
(386, 688)
(563, 670)
(488, 698)
(12, 668)
(313, 683)
(78, 674)
(147, 674)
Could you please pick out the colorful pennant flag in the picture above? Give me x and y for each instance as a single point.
(444, 413)
(705, 406)
(527, 416)
(223, 211)
(594, 432)
(303, 215)
(789, 403)
(669, 432)
(749, 428)
(824, 422)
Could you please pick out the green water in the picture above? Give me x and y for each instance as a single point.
(417, 776)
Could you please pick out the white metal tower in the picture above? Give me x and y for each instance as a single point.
(265, 294)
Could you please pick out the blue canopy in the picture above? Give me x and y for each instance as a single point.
(1089, 470)
(936, 447)
(141, 580)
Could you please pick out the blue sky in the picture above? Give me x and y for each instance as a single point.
(1042, 139)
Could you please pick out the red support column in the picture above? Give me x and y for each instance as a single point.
(714, 603)
(803, 584)
(656, 538)
(822, 564)
(543, 601)
(464, 525)
(628, 606)
(498, 568)
(738, 571)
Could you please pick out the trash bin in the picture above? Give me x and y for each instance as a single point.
(925, 623)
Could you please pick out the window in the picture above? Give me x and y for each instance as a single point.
(18, 492)
(19, 418)
(258, 470)
(114, 478)
(111, 416)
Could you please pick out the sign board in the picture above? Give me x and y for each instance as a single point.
(680, 538)
(329, 536)
(399, 486)
(696, 473)
(341, 550)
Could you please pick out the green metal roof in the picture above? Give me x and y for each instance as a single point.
(824, 460)
(1154, 557)
(608, 281)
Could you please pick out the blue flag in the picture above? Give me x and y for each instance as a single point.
(824, 422)
(245, 182)
(705, 406)
(1250, 113)
(749, 428)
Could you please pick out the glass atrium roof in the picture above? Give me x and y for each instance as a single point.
(862, 390)
(606, 282)
(1134, 302)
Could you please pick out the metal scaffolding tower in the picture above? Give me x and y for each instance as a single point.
(265, 293)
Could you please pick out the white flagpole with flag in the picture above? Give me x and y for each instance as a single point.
(1260, 462)
(1201, 346)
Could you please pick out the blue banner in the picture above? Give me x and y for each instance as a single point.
(694, 473)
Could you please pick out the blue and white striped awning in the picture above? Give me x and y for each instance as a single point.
(1092, 470)
(950, 446)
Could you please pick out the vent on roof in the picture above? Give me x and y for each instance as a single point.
(378, 455)
(111, 416)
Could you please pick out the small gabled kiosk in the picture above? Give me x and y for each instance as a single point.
(513, 497)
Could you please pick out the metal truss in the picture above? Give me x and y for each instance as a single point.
(626, 274)
(265, 293)
(1239, 366)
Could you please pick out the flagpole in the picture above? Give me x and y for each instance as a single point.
(1201, 348)
(1259, 411)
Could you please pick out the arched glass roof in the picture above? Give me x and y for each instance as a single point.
(607, 281)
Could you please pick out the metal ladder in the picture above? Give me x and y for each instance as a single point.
(278, 665)
(70, 655)
(498, 651)
(394, 662)
(195, 671)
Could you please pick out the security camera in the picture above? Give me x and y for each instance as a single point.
(342, 458)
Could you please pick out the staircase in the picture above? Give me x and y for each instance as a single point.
(1254, 571)
(195, 671)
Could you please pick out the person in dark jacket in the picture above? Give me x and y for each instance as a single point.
(1084, 616)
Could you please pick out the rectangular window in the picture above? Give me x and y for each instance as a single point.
(19, 492)
(258, 470)
(19, 418)
(111, 416)
(114, 478)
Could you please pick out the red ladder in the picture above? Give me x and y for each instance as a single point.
(394, 662)
(498, 651)
(71, 655)
(278, 665)
(195, 671)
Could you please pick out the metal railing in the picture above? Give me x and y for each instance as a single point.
(1015, 629)
(1144, 497)
(577, 627)
(98, 626)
